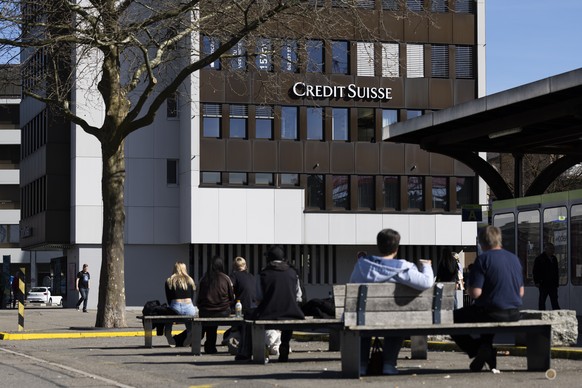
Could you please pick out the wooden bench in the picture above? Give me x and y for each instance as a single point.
(388, 309)
(331, 326)
(197, 323)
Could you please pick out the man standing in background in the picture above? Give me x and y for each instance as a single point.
(546, 276)
(82, 285)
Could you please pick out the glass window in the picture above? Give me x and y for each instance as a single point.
(340, 194)
(390, 60)
(239, 54)
(211, 119)
(464, 67)
(264, 179)
(556, 232)
(340, 123)
(365, 54)
(264, 55)
(390, 5)
(289, 179)
(289, 57)
(391, 189)
(440, 197)
(528, 241)
(464, 6)
(366, 192)
(237, 178)
(440, 6)
(289, 123)
(210, 45)
(366, 124)
(389, 117)
(172, 172)
(238, 121)
(440, 61)
(264, 122)
(465, 191)
(367, 4)
(414, 61)
(315, 191)
(415, 192)
(172, 106)
(412, 113)
(576, 244)
(314, 123)
(314, 50)
(414, 5)
(211, 178)
(506, 222)
(340, 57)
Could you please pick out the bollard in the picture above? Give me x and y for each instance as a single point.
(21, 290)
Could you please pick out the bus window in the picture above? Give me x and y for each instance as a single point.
(506, 222)
(528, 241)
(576, 244)
(556, 232)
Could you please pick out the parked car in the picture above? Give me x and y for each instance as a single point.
(43, 295)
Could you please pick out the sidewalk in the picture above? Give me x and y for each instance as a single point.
(69, 323)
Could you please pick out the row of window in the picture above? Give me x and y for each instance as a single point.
(34, 134)
(33, 198)
(418, 189)
(365, 56)
(266, 118)
(437, 6)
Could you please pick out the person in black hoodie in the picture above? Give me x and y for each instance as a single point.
(278, 294)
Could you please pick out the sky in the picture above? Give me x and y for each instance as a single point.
(528, 40)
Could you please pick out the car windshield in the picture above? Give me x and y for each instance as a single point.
(38, 289)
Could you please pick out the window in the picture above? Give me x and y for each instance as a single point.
(340, 193)
(211, 178)
(440, 61)
(367, 4)
(172, 172)
(172, 107)
(314, 50)
(389, 117)
(238, 121)
(464, 6)
(412, 113)
(440, 193)
(440, 6)
(414, 5)
(576, 244)
(506, 222)
(391, 190)
(555, 231)
(264, 122)
(414, 61)
(340, 54)
(211, 118)
(289, 179)
(239, 60)
(264, 59)
(289, 56)
(210, 45)
(314, 123)
(528, 241)
(365, 53)
(464, 62)
(366, 192)
(464, 188)
(366, 124)
(390, 5)
(264, 179)
(315, 191)
(390, 60)
(339, 123)
(237, 178)
(415, 192)
(289, 122)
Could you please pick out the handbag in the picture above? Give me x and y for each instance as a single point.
(376, 362)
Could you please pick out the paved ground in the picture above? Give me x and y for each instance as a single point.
(69, 352)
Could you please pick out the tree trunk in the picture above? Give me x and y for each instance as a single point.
(111, 305)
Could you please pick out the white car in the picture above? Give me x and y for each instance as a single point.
(43, 295)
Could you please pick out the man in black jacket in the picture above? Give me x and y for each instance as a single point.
(546, 276)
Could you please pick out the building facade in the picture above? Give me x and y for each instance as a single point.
(225, 170)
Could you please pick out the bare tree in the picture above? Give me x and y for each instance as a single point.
(127, 57)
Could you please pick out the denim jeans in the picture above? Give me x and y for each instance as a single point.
(184, 309)
(84, 295)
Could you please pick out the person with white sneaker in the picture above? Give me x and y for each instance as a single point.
(387, 268)
(180, 289)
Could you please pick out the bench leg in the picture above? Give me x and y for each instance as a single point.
(334, 340)
(148, 328)
(258, 333)
(418, 347)
(196, 338)
(539, 350)
(350, 353)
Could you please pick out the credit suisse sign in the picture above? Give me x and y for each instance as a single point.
(351, 91)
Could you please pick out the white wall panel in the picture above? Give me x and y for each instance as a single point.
(10, 216)
(88, 224)
(166, 225)
(289, 205)
(422, 230)
(449, 230)
(316, 228)
(342, 229)
(469, 233)
(164, 195)
(260, 216)
(140, 144)
(400, 223)
(83, 144)
(140, 182)
(9, 177)
(205, 224)
(166, 137)
(232, 214)
(367, 227)
(139, 222)
(87, 181)
(10, 136)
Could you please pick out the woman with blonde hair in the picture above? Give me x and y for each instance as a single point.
(180, 289)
